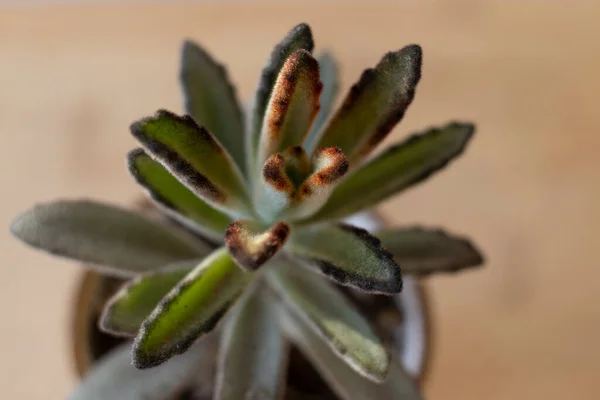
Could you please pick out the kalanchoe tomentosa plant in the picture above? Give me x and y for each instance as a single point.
(267, 195)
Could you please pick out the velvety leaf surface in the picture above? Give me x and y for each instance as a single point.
(293, 105)
(349, 256)
(192, 308)
(396, 169)
(343, 380)
(253, 353)
(424, 251)
(132, 304)
(375, 104)
(211, 99)
(329, 77)
(333, 317)
(300, 37)
(176, 199)
(251, 246)
(194, 157)
(275, 189)
(113, 377)
(119, 241)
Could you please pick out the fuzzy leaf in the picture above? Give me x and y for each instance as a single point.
(211, 99)
(253, 353)
(300, 37)
(194, 157)
(250, 246)
(275, 189)
(132, 304)
(349, 256)
(330, 166)
(293, 105)
(191, 309)
(329, 76)
(333, 317)
(118, 241)
(375, 104)
(425, 251)
(113, 376)
(175, 199)
(396, 169)
(342, 379)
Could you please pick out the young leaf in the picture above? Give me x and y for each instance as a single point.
(300, 37)
(175, 199)
(191, 309)
(132, 304)
(425, 251)
(117, 240)
(333, 317)
(349, 256)
(375, 104)
(275, 189)
(113, 376)
(253, 353)
(211, 100)
(293, 105)
(329, 76)
(194, 157)
(342, 379)
(330, 166)
(251, 246)
(396, 169)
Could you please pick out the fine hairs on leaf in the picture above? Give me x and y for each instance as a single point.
(250, 251)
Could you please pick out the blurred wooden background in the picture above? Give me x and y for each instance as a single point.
(526, 327)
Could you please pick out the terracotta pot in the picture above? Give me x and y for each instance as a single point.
(403, 321)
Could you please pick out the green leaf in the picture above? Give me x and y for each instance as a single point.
(191, 309)
(425, 251)
(211, 99)
(253, 353)
(333, 317)
(117, 240)
(342, 379)
(375, 104)
(132, 304)
(396, 169)
(251, 246)
(195, 158)
(293, 105)
(300, 37)
(113, 376)
(175, 199)
(349, 256)
(329, 76)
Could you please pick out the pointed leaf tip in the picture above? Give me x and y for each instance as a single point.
(251, 248)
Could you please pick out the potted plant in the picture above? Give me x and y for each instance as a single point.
(253, 275)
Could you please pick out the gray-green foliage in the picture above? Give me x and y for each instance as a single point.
(257, 240)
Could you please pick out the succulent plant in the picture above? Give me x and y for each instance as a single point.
(258, 249)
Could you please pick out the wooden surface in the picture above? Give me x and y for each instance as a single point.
(526, 327)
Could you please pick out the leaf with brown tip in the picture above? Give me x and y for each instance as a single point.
(347, 255)
(176, 199)
(300, 37)
(251, 247)
(274, 189)
(426, 251)
(375, 104)
(191, 309)
(195, 157)
(211, 99)
(293, 105)
(399, 167)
